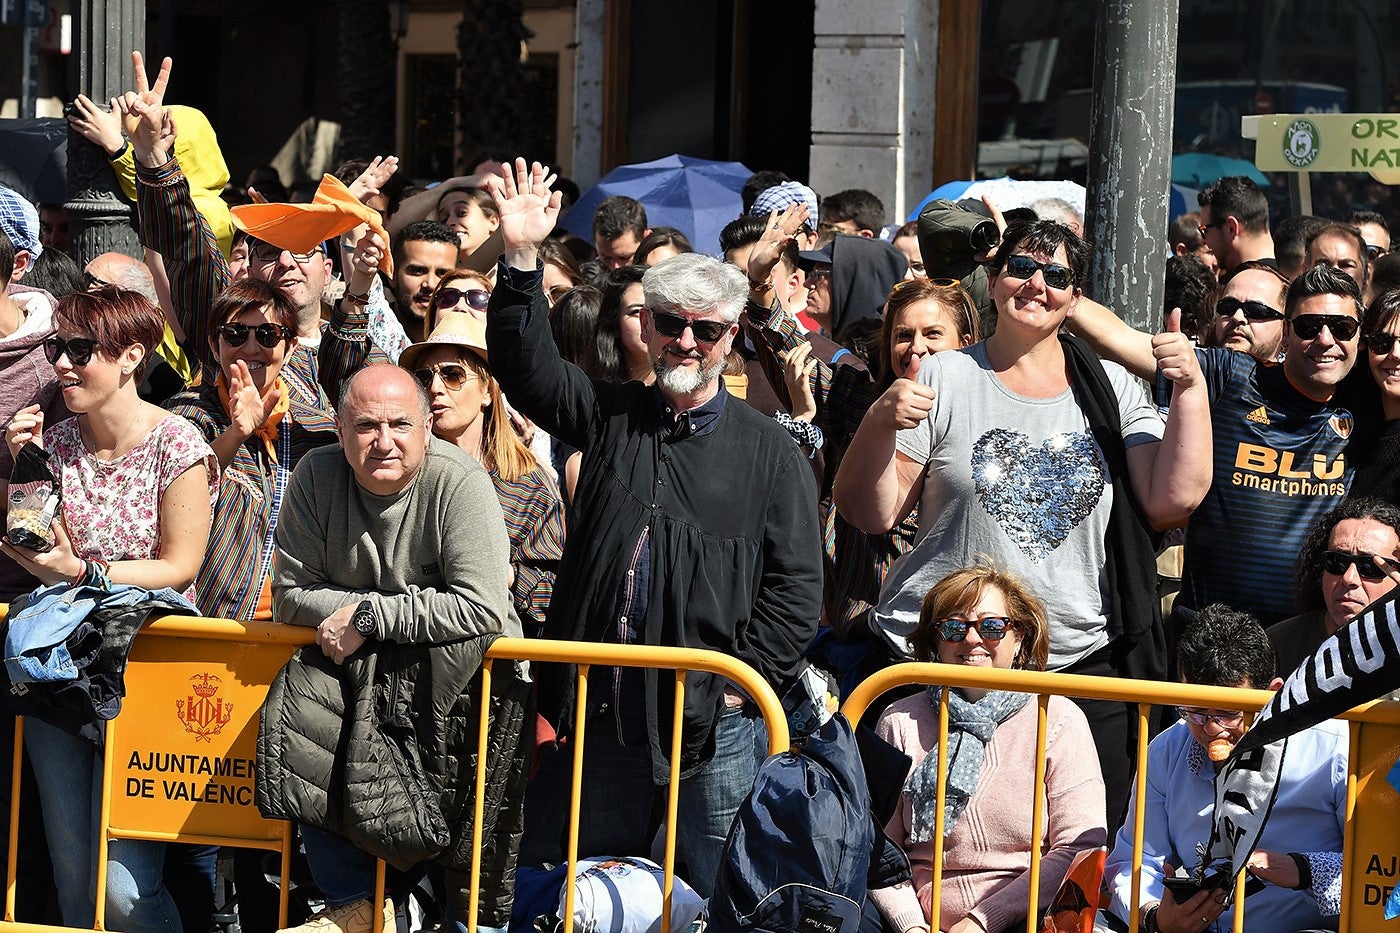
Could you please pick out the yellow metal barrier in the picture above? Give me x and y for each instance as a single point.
(1375, 743)
(586, 656)
(180, 760)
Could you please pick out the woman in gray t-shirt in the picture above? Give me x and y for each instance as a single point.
(995, 449)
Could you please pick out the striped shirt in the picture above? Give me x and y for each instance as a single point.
(1280, 465)
(534, 517)
(171, 225)
(230, 580)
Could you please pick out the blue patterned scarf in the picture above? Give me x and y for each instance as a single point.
(970, 728)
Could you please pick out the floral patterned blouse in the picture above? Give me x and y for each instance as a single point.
(112, 507)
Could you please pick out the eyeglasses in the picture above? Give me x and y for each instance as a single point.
(92, 282)
(1308, 326)
(557, 292)
(1380, 344)
(1214, 223)
(673, 325)
(267, 335)
(453, 375)
(992, 628)
(1021, 266)
(1226, 718)
(78, 349)
(1253, 310)
(262, 252)
(1337, 562)
(816, 273)
(477, 298)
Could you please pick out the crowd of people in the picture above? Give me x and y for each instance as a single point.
(414, 419)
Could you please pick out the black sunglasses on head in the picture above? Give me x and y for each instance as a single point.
(1308, 326)
(673, 325)
(1021, 266)
(1380, 344)
(477, 298)
(268, 335)
(1253, 310)
(79, 350)
(1337, 562)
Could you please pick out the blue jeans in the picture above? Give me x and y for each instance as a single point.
(620, 798)
(343, 871)
(69, 773)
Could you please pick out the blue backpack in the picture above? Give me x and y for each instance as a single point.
(806, 844)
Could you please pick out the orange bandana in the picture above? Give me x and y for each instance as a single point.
(268, 429)
(302, 227)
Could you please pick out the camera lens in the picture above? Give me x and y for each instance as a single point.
(983, 237)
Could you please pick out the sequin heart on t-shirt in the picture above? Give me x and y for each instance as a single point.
(1038, 494)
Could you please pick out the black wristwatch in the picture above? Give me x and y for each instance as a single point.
(364, 619)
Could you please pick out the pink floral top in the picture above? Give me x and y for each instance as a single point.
(112, 507)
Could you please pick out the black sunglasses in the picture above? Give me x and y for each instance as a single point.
(673, 325)
(1253, 310)
(1380, 344)
(477, 298)
(268, 335)
(1021, 266)
(262, 252)
(1308, 326)
(92, 282)
(1337, 562)
(992, 628)
(78, 349)
(453, 376)
(1202, 228)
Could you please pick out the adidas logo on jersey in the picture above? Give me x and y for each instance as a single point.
(1260, 415)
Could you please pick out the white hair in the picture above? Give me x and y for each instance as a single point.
(696, 283)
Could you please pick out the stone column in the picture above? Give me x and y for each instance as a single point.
(591, 23)
(1130, 146)
(105, 32)
(873, 86)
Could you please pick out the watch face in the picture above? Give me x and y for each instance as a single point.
(364, 622)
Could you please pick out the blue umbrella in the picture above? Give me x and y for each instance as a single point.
(948, 191)
(1198, 169)
(696, 196)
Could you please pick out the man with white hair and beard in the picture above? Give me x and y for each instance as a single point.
(694, 525)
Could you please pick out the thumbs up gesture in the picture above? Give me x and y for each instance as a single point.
(1176, 357)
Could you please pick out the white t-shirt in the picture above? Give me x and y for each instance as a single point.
(1020, 480)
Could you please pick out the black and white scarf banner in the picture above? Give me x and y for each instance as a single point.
(1357, 664)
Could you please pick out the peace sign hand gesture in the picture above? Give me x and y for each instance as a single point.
(145, 119)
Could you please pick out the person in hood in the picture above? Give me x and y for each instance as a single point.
(26, 378)
(849, 278)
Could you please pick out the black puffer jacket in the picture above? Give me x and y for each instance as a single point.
(382, 751)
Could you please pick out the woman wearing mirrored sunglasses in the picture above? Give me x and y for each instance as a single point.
(1378, 462)
(469, 412)
(137, 485)
(1027, 447)
(259, 429)
(983, 617)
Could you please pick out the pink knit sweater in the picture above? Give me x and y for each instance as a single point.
(986, 867)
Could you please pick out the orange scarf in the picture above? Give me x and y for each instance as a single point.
(302, 227)
(268, 429)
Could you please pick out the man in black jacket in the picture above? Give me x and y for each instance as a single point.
(694, 525)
